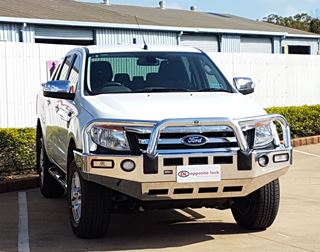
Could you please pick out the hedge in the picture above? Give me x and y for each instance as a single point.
(17, 149)
(18, 146)
(304, 120)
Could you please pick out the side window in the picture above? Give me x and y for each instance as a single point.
(65, 68)
(56, 72)
(211, 75)
(74, 73)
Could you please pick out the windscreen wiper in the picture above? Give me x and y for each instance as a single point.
(159, 90)
(214, 90)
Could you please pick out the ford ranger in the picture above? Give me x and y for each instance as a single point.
(155, 128)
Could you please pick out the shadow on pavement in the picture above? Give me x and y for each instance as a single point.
(49, 229)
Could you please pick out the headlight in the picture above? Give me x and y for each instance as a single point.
(264, 135)
(110, 138)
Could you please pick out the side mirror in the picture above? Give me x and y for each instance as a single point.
(244, 85)
(58, 89)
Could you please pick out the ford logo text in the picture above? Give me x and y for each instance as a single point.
(194, 140)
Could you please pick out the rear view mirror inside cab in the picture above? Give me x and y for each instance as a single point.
(148, 61)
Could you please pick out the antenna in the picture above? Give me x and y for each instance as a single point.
(145, 47)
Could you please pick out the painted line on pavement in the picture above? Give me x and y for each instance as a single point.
(307, 153)
(23, 235)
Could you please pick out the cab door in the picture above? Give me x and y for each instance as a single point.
(60, 113)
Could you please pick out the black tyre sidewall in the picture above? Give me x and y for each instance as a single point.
(262, 208)
(95, 205)
(49, 187)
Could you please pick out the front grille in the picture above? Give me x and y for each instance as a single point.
(171, 140)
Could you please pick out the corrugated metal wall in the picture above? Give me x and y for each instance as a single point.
(277, 45)
(22, 70)
(9, 32)
(281, 80)
(205, 43)
(63, 33)
(313, 43)
(255, 45)
(28, 34)
(230, 43)
(126, 37)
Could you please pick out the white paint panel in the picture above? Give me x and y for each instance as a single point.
(126, 37)
(205, 43)
(255, 45)
(59, 33)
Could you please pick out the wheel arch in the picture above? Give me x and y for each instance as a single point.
(71, 147)
(39, 134)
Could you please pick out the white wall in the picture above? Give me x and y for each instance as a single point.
(22, 70)
(281, 80)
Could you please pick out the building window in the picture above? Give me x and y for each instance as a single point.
(65, 42)
(296, 49)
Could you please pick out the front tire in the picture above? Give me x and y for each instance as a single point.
(89, 206)
(258, 210)
(49, 187)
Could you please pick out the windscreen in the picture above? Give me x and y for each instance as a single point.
(140, 72)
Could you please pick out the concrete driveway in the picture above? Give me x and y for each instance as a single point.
(45, 227)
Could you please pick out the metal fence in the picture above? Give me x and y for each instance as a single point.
(281, 80)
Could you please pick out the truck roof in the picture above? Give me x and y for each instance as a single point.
(136, 48)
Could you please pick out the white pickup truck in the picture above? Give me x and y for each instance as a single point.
(156, 127)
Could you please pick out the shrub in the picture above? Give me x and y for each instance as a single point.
(304, 120)
(17, 149)
(18, 146)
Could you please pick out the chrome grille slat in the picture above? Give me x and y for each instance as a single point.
(170, 140)
(197, 129)
(179, 140)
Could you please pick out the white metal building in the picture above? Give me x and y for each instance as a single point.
(78, 23)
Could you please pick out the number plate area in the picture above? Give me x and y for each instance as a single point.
(198, 173)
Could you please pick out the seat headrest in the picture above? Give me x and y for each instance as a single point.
(100, 74)
(122, 78)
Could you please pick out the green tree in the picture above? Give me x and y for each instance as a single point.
(301, 21)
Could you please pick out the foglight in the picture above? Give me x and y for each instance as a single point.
(263, 161)
(128, 165)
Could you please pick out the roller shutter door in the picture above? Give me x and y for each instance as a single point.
(205, 43)
(256, 45)
(63, 34)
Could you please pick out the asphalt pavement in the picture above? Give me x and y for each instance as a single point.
(43, 225)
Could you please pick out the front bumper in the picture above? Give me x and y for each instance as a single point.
(163, 185)
(241, 172)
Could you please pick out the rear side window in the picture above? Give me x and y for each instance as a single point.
(74, 73)
(65, 68)
(56, 72)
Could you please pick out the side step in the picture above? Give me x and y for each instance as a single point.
(58, 175)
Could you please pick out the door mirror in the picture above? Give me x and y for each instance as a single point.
(58, 89)
(244, 85)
